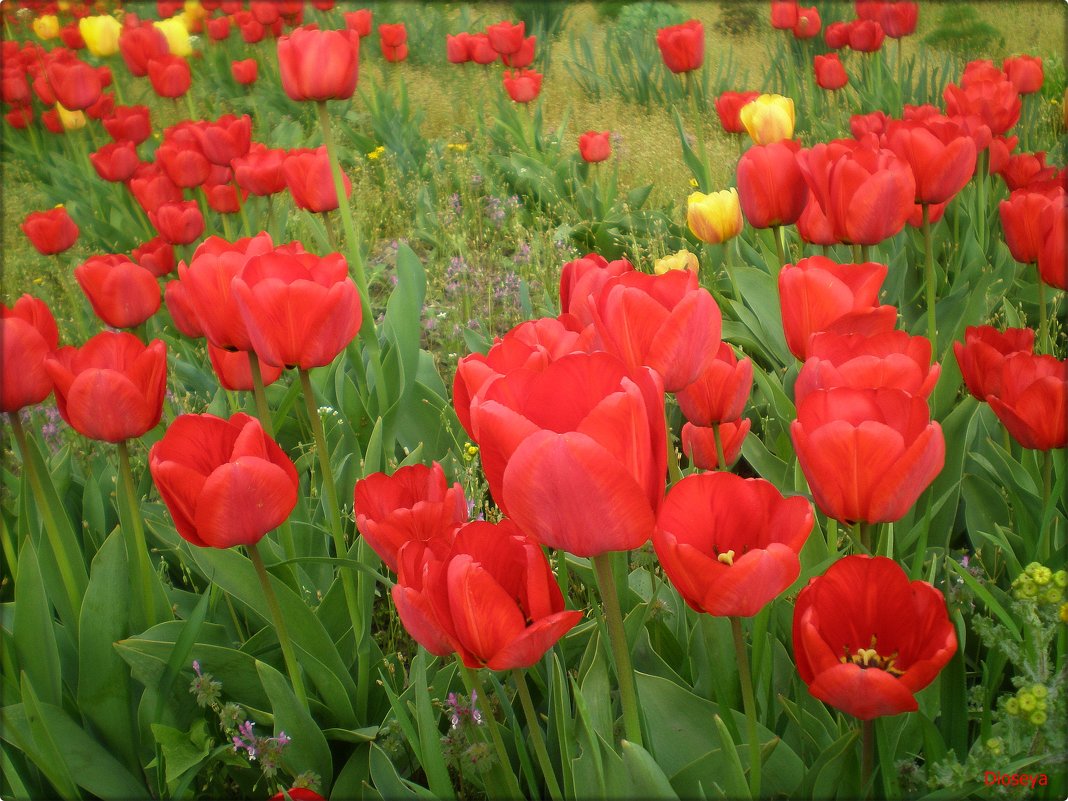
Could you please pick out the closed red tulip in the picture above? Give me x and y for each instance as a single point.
(899, 18)
(123, 293)
(393, 40)
(595, 146)
(50, 232)
(14, 89)
(505, 37)
(415, 503)
(233, 368)
(836, 35)
(156, 256)
(152, 187)
(308, 176)
(75, 83)
(491, 598)
(1052, 264)
(867, 453)
(982, 353)
(581, 278)
(1020, 216)
(784, 14)
(259, 172)
(720, 393)
(699, 443)
(1025, 73)
(20, 117)
(481, 50)
(941, 167)
(866, 36)
(808, 23)
(728, 106)
(830, 74)
(771, 188)
(874, 122)
(300, 310)
(866, 639)
(301, 793)
(666, 322)
(141, 44)
(813, 225)
(224, 197)
(225, 482)
(524, 56)
(176, 296)
(458, 48)
(1032, 400)
(225, 139)
(28, 336)
(245, 72)
(359, 20)
(576, 453)
(682, 47)
(1023, 169)
(111, 388)
(319, 65)
(729, 544)
(522, 86)
(116, 161)
(178, 223)
(218, 28)
(169, 75)
(995, 102)
(817, 295)
(132, 123)
(184, 163)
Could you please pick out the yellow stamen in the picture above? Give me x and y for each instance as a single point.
(727, 558)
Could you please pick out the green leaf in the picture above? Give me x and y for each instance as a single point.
(35, 638)
(433, 761)
(180, 753)
(307, 749)
(388, 782)
(645, 778)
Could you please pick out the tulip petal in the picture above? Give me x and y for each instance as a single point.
(243, 500)
(530, 646)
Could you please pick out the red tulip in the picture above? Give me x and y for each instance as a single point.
(308, 175)
(139, 45)
(50, 232)
(522, 85)
(524, 56)
(577, 452)
(981, 69)
(300, 310)
(818, 295)
(245, 71)
(1023, 169)
(359, 20)
(156, 256)
(233, 368)
(224, 198)
(899, 18)
(481, 50)
(20, 117)
(941, 166)
(169, 75)
(874, 122)
(259, 172)
(771, 188)
(813, 225)
(595, 146)
(178, 223)
(28, 336)
(176, 296)
(866, 639)
(129, 123)
(836, 35)
(116, 161)
(218, 28)
(728, 106)
(729, 544)
(123, 293)
(393, 39)
(682, 47)
(185, 164)
(982, 353)
(888, 359)
(866, 36)
(1052, 264)
(995, 102)
(319, 65)
(867, 453)
(225, 139)
(808, 23)
(303, 793)
(784, 14)
(665, 322)
(152, 188)
(415, 503)
(830, 74)
(112, 387)
(720, 393)
(103, 106)
(1031, 400)
(1025, 73)
(1020, 221)
(699, 443)
(457, 48)
(225, 482)
(506, 38)
(75, 83)
(582, 278)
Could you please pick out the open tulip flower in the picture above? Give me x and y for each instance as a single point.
(28, 336)
(730, 544)
(720, 393)
(1032, 400)
(866, 639)
(982, 353)
(491, 597)
(582, 279)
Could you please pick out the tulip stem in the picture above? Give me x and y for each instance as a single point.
(780, 243)
(728, 265)
(705, 178)
(929, 276)
(279, 624)
(749, 702)
(980, 194)
(867, 756)
(1047, 492)
(628, 696)
(474, 684)
(534, 727)
(136, 546)
(263, 411)
(1043, 319)
(721, 461)
(674, 472)
(360, 627)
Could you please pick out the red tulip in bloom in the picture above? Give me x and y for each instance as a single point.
(15, 88)
(522, 85)
(576, 453)
(818, 295)
(1023, 169)
(20, 117)
(867, 453)
(458, 48)
(415, 503)
(995, 102)
(225, 139)
(1021, 215)
(530, 345)
(771, 188)
(75, 83)
(866, 639)
(359, 20)
(481, 50)
(861, 124)
(784, 14)
(123, 293)
(219, 28)
(720, 393)
(866, 36)
(300, 310)
(319, 65)
(151, 187)
(225, 482)
(112, 387)
(491, 598)
(184, 162)
(729, 544)
(176, 296)
(310, 181)
(1052, 264)
(50, 232)
(224, 197)
(130, 123)
(139, 45)
(233, 368)
(836, 35)
(393, 39)
(259, 172)
(505, 37)
(169, 75)
(178, 223)
(888, 359)
(899, 18)
(28, 336)
(524, 56)
(1025, 73)
(866, 192)
(595, 146)
(301, 793)
(941, 167)
(728, 106)
(665, 322)
(682, 46)
(699, 443)
(808, 23)
(245, 71)
(1032, 400)
(983, 352)
(830, 74)
(116, 161)
(156, 256)
(813, 225)
(582, 278)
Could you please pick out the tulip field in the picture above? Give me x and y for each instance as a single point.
(533, 400)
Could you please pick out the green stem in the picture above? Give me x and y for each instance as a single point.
(674, 472)
(867, 756)
(865, 253)
(721, 461)
(472, 680)
(1047, 492)
(929, 276)
(136, 546)
(279, 624)
(1043, 319)
(856, 254)
(728, 265)
(780, 244)
(749, 703)
(534, 727)
(980, 194)
(705, 179)
(628, 696)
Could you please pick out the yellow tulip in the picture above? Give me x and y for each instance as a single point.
(769, 118)
(192, 13)
(683, 260)
(46, 26)
(101, 34)
(715, 217)
(177, 35)
(71, 120)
